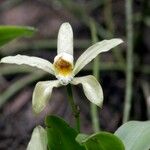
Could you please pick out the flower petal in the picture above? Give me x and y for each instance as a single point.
(42, 94)
(65, 39)
(91, 87)
(30, 61)
(38, 140)
(93, 51)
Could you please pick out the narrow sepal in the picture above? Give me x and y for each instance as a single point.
(93, 51)
(92, 89)
(42, 94)
(65, 39)
(30, 61)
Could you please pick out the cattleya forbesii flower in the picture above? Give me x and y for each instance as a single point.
(64, 69)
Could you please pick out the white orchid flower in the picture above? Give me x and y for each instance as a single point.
(63, 68)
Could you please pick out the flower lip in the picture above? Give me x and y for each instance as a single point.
(63, 66)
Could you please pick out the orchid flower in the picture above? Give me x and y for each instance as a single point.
(64, 69)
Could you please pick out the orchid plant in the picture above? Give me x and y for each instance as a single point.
(58, 135)
(63, 68)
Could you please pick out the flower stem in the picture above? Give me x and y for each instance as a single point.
(74, 107)
(94, 113)
(129, 70)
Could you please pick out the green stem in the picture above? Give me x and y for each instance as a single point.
(129, 70)
(146, 92)
(74, 107)
(94, 113)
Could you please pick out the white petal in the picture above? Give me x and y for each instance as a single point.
(38, 140)
(93, 51)
(65, 39)
(42, 94)
(91, 87)
(30, 61)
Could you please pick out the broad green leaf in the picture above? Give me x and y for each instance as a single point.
(135, 135)
(38, 140)
(93, 51)
(60, 135)
(91, 87)
(8, 33)
(42, 93)
(100, 141)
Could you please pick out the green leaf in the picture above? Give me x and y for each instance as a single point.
(38, 140)
(135, 135)
(60, 135)
(100, 141)
(8, 33)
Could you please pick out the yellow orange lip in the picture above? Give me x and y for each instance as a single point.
(63, 67)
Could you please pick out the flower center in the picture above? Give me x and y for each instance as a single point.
(63, 65)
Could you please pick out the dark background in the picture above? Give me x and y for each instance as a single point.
(16, 118)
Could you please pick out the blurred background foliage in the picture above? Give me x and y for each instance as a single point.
(110, 20)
